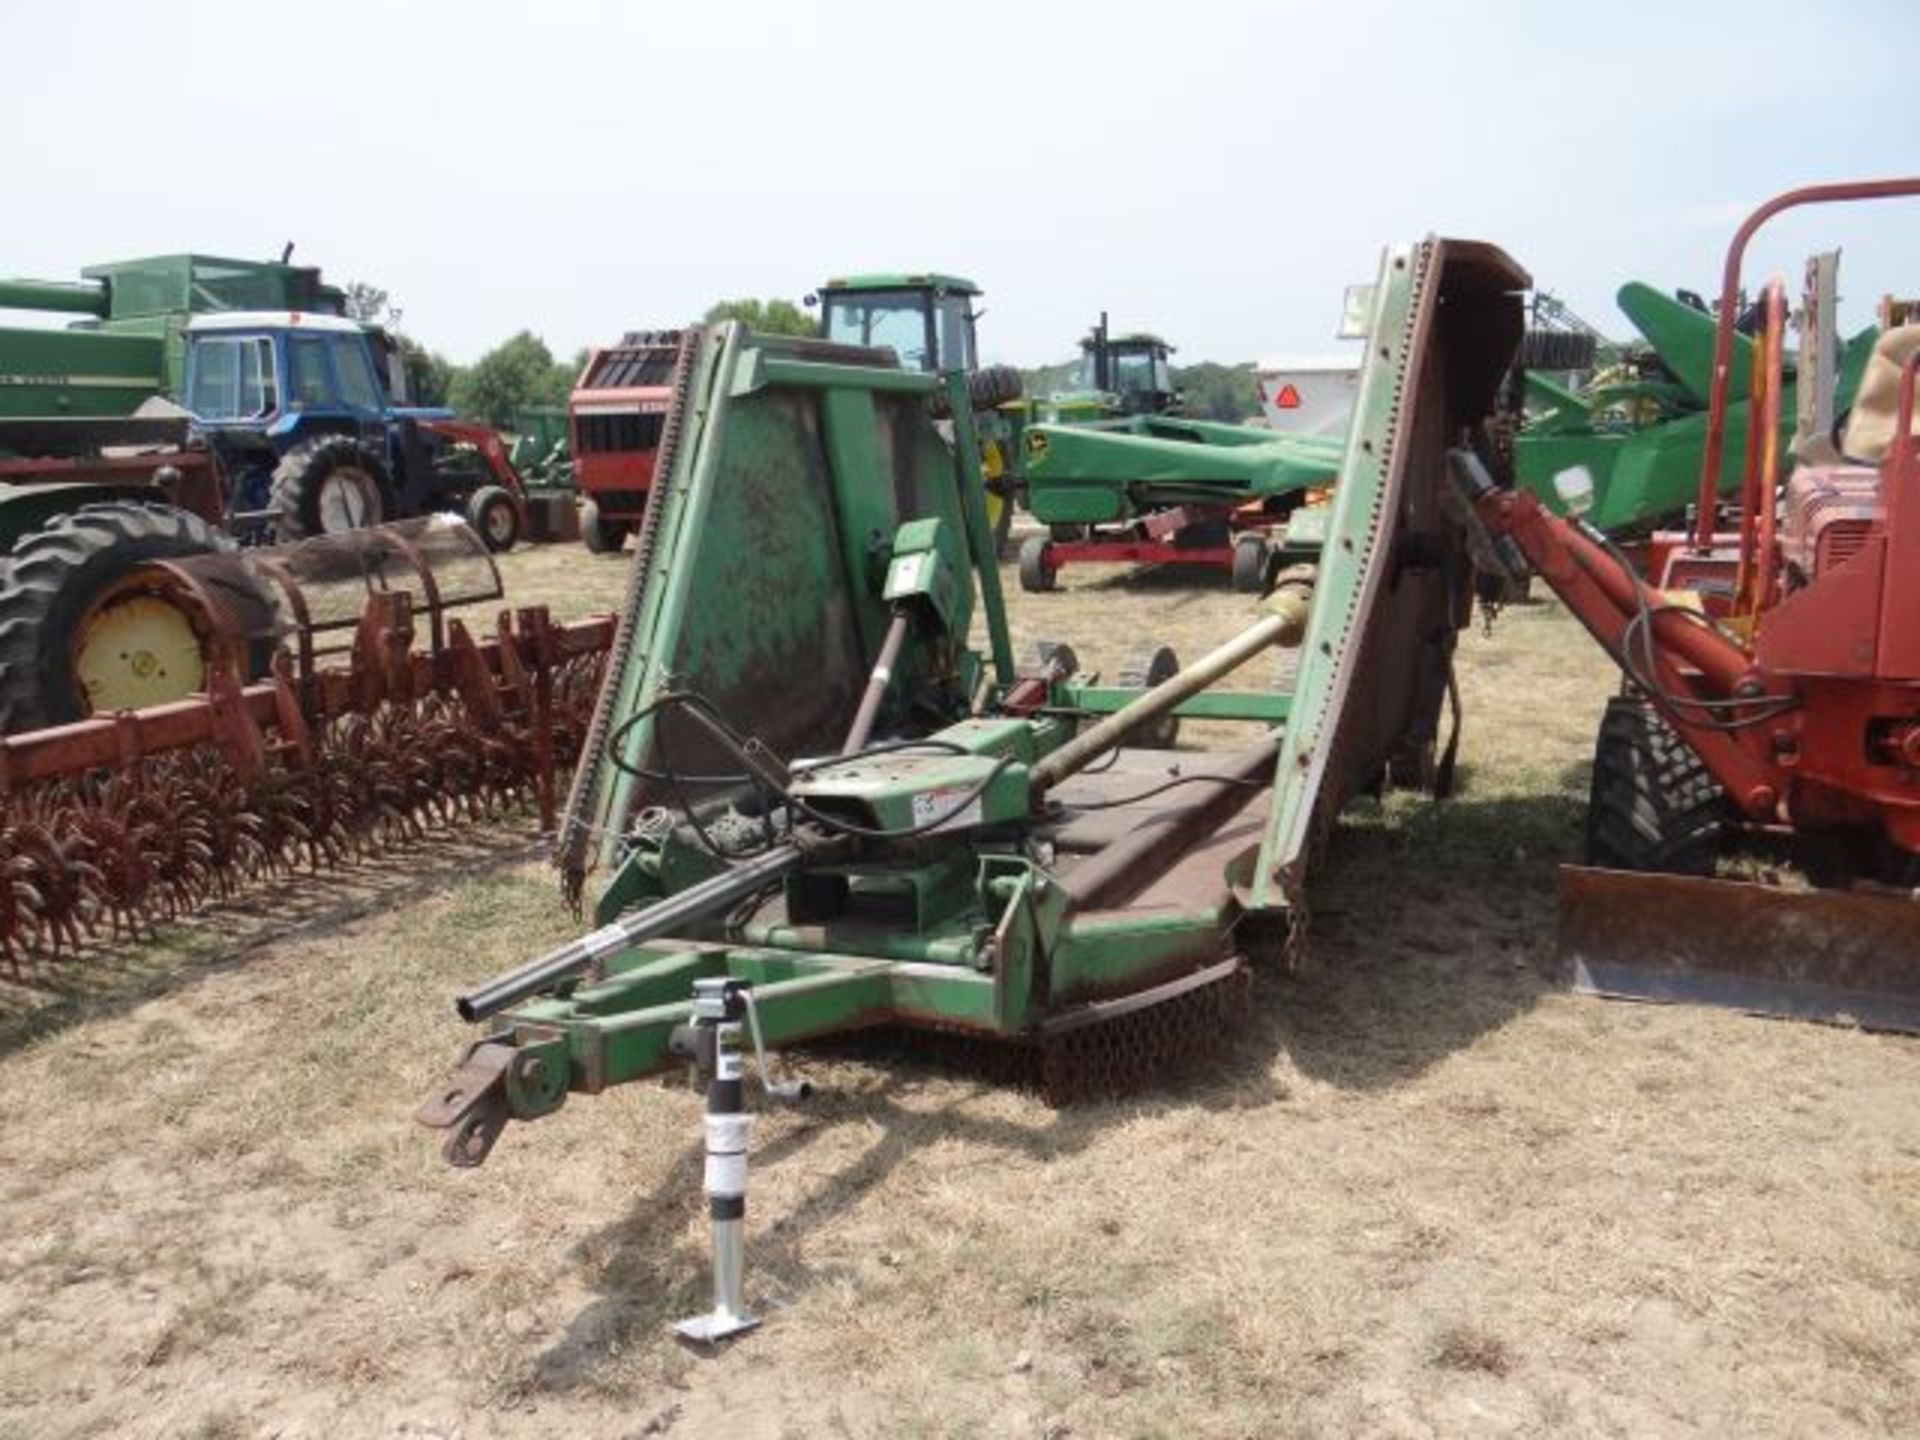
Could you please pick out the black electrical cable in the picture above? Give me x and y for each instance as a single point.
(733, 741)
(1164, 786)
(1645, 674)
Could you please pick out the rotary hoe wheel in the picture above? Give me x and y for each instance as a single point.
(88, 624)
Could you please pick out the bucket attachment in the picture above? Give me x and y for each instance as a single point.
(1844, 957)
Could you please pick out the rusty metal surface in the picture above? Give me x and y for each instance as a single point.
(1102, 1051)
(115, 823)
(321, 586)
(1846, 957)
(471, 1105)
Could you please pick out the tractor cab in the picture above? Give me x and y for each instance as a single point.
(926, 320)
(1135, 370)
(308, 416)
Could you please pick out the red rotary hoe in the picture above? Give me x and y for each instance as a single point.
(355, 740)
(1773, 687)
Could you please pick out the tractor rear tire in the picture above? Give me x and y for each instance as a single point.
(601, 536)
(326, 486)
(494, 514)
(1653, 805)
(1252, 557)
(49, 587)
(1556, 350)
(1036, 577)
(1145, 670)
(994, 385)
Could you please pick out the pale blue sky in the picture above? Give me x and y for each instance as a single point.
(1216, 171)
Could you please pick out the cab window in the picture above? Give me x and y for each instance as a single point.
(1132, 372)
(358, 388)
(895, 320)
(307, 374)
(956, 333)
(232, 379)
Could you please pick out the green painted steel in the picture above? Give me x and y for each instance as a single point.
(1642, 440)
(1379, 645)
(1266, 707)
(78, 373)
(132, 346)
(1115, 471)
(55, 297)
(776, 522)
(900, 280)
(806, 502)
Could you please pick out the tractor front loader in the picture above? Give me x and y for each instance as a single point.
(1773, 688)
(822, 809)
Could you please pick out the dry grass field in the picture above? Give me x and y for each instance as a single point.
(1425, 1194)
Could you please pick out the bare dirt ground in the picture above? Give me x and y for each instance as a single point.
(1426, 1194)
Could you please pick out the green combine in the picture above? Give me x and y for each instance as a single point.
(826, 798)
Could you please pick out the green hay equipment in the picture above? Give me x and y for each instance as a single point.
(1160, 489)
(1639, 427)
(823, 809)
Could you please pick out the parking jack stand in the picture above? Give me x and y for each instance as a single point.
(714, 1042)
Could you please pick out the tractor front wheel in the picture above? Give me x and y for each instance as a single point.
(328, 485)
(87, 626)
(601, 535)
(1652, 805)
(492, 511)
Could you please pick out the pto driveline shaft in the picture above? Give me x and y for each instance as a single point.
(1285, 622)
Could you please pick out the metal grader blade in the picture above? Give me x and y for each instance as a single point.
(1097, 921)
(1842, 957)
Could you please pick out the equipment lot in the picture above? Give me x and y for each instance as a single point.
(1425, 1193)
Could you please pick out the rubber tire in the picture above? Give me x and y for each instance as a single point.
(51, 578)
(1035, 577)
(487, 505)
(601, 537)
(301, 475)
(994, 385)
(1002, 527)
(1652, 805)
(1556, 350)
(1252, 557)
(1148, 668)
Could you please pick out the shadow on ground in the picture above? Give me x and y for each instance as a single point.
(1433, 926)
(108, 975)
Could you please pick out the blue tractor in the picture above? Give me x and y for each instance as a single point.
(309, 417)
